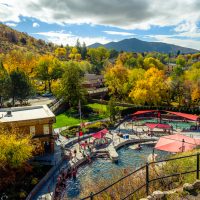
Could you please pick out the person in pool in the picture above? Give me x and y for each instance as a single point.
(139, 147)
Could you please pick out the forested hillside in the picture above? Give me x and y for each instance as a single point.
(11, 39)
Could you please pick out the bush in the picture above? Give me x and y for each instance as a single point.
(34, 181)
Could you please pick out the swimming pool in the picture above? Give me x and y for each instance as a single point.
(175, 124)
(103, 170)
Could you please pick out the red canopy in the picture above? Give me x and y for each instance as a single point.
(185, 115)
(176, 143)
(161, 126)
(143, 112)
(100, 134)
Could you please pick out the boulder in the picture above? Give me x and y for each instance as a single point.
(157, 195)
(196, 185)
(188, 187)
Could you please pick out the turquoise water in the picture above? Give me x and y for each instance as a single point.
(176, 125)
(101, 169)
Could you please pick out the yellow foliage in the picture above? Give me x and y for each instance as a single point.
(15, 148)
(18, 59)
(151, 89)
(117, 79)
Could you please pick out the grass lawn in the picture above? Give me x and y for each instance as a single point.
(91, 112)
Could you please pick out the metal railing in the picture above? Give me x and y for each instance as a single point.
(148, 180)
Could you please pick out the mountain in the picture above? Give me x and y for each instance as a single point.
(135, 45)
(11, 39)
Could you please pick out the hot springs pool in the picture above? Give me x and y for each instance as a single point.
(102, 169)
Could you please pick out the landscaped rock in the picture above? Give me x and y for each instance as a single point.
(196, 185)
(188, 187)
(157, 195)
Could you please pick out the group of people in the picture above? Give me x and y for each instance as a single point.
(61, 181)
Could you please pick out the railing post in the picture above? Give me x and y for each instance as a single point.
(147, 178)
(197, 165)
(91, 196)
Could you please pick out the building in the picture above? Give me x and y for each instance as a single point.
(93, 81)
(34, 120)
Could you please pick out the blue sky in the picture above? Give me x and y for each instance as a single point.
(63, 22)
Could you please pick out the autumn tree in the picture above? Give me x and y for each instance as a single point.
(48, 70)
(98, 57)
(74, 54)
(192, 78)
(15, 150)
(61, 53)
(116, 78)
(151, 89)
(150, 62)
(25, 61)
(127, 59)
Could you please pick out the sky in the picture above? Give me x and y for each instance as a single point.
(90, 21)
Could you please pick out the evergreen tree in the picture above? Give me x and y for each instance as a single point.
(83, 51)
(21, 88)
(5, 83)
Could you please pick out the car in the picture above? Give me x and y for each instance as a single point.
(48, 94)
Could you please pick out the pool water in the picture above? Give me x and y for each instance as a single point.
(101, 169)
(175, 124)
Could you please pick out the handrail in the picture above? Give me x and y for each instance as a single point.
(92, 195)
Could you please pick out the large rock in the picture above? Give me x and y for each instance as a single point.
(157, 195)
(188, 187)
(196, 185)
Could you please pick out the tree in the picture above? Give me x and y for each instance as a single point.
(112, 110)
(15, 150)
(5, 84)
(61, 53)
(71, 89)
(84, 51)
(74, 55)
(21, 88)
(152, 62)
(48, 69)
(127, 59)
(98, 57)
(116, 78)
(180, 61)
(192, 79)
(151, 89)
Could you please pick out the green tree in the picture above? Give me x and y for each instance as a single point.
(84, 51)
(112, 110)
(71, 88)
(5, 84)
(21, 88)
(98, 57)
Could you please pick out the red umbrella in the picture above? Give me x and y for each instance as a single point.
(176, 143)
(100, 134)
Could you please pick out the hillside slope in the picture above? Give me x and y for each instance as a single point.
(11, 39)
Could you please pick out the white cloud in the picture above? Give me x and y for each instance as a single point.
(61, 37)
(118, 33)
(11, 24)
(129, 14)
(36, 25)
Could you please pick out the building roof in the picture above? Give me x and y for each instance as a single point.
(158, 125)
(25, 113)
(185, 115)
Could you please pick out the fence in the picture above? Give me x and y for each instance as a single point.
(147, 180)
